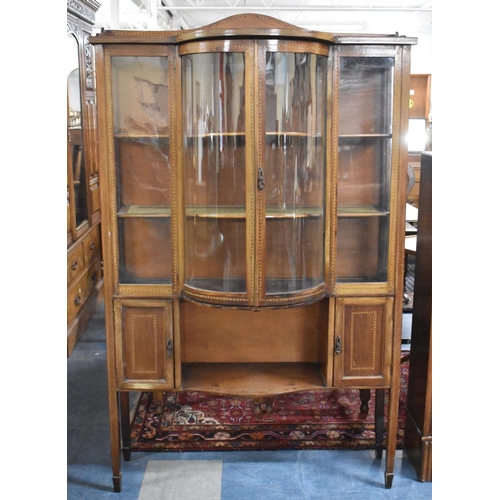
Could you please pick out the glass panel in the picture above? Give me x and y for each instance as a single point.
(294, 170)
(364, 168)
(75, 132)
(213, 87)
(142, 155)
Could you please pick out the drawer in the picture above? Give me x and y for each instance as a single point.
(78, 294)
(91, 244)
(75, 262)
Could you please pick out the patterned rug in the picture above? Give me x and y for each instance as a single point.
(321, 419)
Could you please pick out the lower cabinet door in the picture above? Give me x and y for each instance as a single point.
(144, 348)
(363, 341)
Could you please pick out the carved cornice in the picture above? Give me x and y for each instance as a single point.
(85, 9)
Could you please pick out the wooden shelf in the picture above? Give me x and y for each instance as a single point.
(136, 135)
(361, 211)
(346, 137)
(240, 212)
(144, 211)
(251, 379)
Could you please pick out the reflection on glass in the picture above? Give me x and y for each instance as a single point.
(214, 171)
(364, 168)
(142, 154)
(75, 132)
(294, 170)
(417, 134)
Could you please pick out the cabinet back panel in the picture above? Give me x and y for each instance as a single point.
(214, 171)
(362, 166)
(212, 334)
(215, 249)
(144, 169)
(145, 250)
(294, 250)
(360, 254)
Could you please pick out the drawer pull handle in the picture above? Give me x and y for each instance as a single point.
(92, 246)
(78, 300)
(338, 345)
(74, 265)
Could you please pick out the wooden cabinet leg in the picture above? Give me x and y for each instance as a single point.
(117, 483)
(391, 433)
(158, 401)
(389, 477)
(364, 395)
(125, 424)
(114, 423)
(263, 405)
(379, 422)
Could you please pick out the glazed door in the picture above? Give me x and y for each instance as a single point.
(366, 164)
(291, 166)
(141, 177)
(217, 146)
(254, 161)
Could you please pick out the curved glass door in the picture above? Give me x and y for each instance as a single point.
(364, 168)
(294, 171)
(214, 163)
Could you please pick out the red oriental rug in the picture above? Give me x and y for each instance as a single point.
(321, 419)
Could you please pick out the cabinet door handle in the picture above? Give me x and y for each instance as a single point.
(74, 265)
(92, 246)
(260, 179)
(78, 300)
(338, 345)
(170, 348)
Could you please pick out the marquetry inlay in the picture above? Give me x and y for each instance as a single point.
(361, 315)
(136, 334)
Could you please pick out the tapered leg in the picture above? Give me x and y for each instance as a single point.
(379, 422)
(114, 422)
(125, 424)
(391, 434)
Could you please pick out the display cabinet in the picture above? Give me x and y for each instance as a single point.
(83, 202)
(253, 191)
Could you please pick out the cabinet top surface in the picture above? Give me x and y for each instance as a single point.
(246, 26)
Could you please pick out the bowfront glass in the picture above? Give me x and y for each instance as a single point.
(294, 170)
(214, 163)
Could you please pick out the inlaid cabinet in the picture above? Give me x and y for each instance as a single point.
(253, 181)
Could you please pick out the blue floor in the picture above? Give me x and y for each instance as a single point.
(273, 475)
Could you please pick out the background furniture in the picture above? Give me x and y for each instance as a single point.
(247, 167)
(420, 115)
(418, 427)
(84, 276)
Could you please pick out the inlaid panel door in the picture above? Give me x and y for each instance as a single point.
(363, 341)
(144, 344)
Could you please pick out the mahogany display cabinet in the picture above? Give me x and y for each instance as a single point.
(84, 273)
(253, 180)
